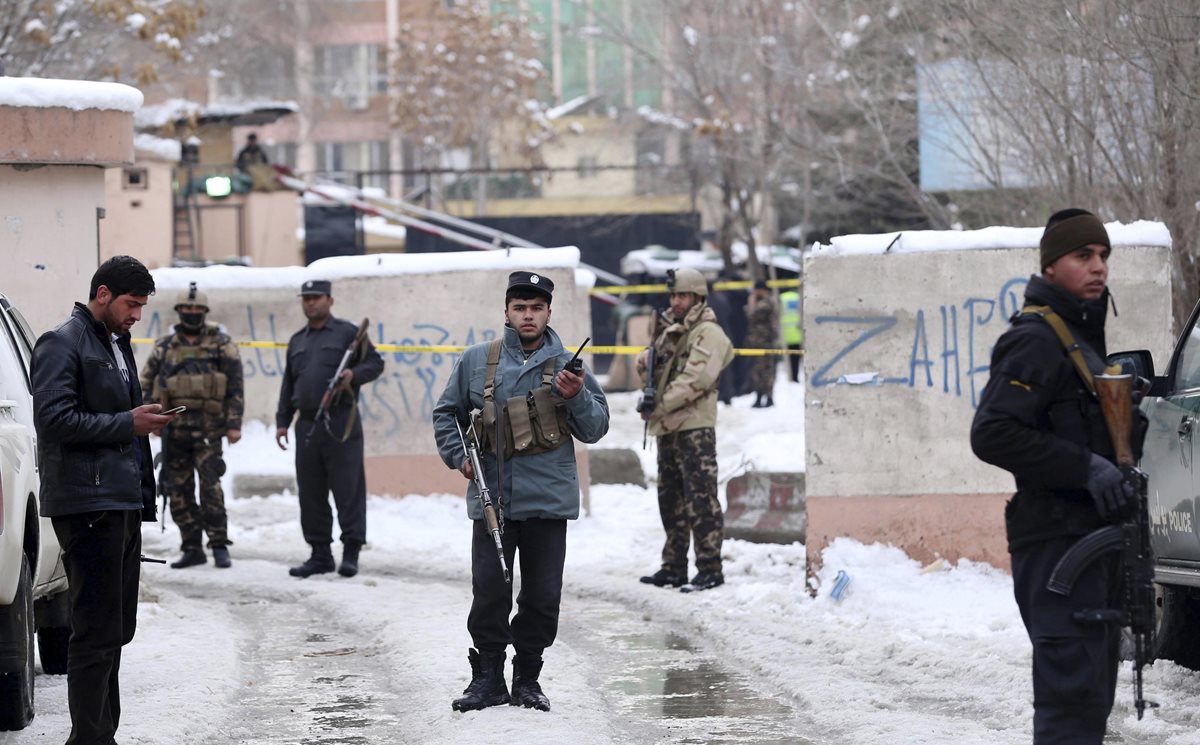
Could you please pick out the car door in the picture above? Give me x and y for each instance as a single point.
(16, 348)
(1169, 457)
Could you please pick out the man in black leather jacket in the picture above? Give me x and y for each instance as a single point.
(1038, 420)
(97, 481)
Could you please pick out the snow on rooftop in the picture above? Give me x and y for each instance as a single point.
(157, 147)
(77, 95)
(172, 110)
(372, 265)
(1140, 233)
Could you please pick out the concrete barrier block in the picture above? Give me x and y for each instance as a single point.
(766, 507)
(263, 484)
(615, 466)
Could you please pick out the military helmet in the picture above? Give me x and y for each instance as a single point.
(687, 280)
(191, 296)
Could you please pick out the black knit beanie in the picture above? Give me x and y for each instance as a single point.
(1069, 230)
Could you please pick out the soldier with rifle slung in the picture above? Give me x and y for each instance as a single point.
(527, 401)
(196, 366)
(329, 447)
(1040, 419)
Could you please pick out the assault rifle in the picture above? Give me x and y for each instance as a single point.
(645, 404)
(1131, 538)
(160, 462)
(334, 386)
(495, 522)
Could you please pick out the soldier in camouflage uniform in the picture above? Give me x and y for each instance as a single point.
(762, 316)
(689, 355)
(196, 366)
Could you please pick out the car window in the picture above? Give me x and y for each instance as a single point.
(14, 384)
(17, 342)
(1187, 370)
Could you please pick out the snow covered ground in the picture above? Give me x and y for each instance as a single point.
(251, 655)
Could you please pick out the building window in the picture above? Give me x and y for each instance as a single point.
(135, 179)
(345, 161)
(351, 72)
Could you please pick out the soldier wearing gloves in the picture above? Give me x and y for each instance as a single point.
(1038, 419)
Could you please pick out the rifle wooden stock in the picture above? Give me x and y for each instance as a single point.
(1116, 402)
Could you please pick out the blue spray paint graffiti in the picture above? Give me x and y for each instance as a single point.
(406, 392)
(921, 365)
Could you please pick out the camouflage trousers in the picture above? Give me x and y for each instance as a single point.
(762, 374)
(687, 499)
(185, 457)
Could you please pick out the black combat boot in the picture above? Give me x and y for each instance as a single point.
(526, 691)
(221, 557)
(349, 565)
(320, 562)
(757, 401)
(705, 581)
(769, 402)
(664, 578)
(487, 686)
(191, 557)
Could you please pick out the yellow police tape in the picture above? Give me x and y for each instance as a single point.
(448, 349)
(733, 284)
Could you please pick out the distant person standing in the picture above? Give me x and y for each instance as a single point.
(251, 154)
(689, 356)
(793, 333)
(198, 366)
(762, 332)
(97, 481)
(329, 453)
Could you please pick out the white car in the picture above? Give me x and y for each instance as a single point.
(33, 585)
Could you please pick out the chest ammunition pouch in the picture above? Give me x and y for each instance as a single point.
(200, 392)
(532, 423)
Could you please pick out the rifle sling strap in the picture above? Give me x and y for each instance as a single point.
(1068, 341)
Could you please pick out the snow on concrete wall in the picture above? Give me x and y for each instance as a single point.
(898, 350)
(434, 306)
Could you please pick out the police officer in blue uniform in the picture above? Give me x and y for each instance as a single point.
(329, 453)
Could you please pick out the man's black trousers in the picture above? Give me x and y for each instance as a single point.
(1074, 664)
(541, 546)
(101, 556)
(324, 464)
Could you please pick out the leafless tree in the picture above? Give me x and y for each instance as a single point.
(94, 39)
(1090, 103)
(471, 79)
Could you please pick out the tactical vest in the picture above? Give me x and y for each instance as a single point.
(534, 423)
(200, 392)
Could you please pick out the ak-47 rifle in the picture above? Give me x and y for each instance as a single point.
(495, 522)
(645, 404)
(1131, 538)
(334, 387)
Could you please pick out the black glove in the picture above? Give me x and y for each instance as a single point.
(1109, 490)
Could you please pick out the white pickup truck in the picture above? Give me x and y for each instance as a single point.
(33, 595)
